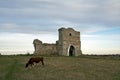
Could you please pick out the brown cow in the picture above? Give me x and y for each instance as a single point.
(34, 60)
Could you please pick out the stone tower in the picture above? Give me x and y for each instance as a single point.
(69, 43)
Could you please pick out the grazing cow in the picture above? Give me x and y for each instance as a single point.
(34, 60)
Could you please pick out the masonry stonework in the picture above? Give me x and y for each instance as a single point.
(69, 44)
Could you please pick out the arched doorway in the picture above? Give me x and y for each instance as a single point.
(71, 51)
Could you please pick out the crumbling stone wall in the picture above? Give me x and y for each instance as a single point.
(44, 48)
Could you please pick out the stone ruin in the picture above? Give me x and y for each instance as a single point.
(69, 44)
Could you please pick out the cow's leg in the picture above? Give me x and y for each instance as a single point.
(42, 62)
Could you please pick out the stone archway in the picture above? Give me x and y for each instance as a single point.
(71, 51)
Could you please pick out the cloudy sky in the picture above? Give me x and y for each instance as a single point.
(22, 21)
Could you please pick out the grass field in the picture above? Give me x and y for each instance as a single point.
(61, 68)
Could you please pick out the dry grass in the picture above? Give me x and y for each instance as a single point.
(61, 68)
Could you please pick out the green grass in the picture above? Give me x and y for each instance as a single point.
(61, 68)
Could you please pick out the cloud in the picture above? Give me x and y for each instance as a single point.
(38, 15)
(8, 26)
(27, 28)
